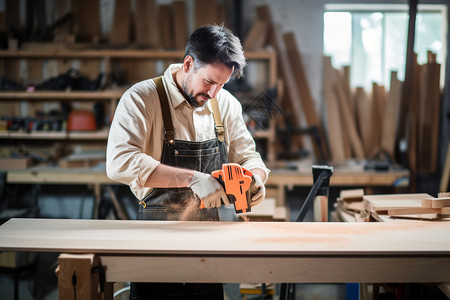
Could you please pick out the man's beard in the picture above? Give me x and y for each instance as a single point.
(190, 98)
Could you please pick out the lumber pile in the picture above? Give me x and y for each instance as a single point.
(300, 116)
(351, 202)
(364, 124)
(408, 206)
(357, 124)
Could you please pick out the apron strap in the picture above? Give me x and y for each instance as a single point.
(217, 119)
(169, 131)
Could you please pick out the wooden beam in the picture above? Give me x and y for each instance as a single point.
(391, 114)
(336, 141)
(349, 121)
(307, 102)
(87, 20)
(146, 24)
(436, 202)
(293, 106)
(430, 104)
(364, 118)
(205, 12)
(121, 26)
(180, 24)
(257, 36)
(166, 26)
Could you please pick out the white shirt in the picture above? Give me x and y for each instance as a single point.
(137, 132)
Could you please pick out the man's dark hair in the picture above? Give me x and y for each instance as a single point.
(213, 43)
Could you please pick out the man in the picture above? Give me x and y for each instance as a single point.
(168, 134)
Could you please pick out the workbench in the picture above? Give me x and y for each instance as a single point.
(235, 252)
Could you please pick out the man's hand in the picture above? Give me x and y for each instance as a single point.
(257, 190)
(208, 189)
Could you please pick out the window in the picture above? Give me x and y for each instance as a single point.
(372, 39)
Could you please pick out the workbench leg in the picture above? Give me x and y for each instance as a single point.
(321, 209)
(81, 276)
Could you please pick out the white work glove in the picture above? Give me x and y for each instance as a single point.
(257, 190)
(208, 189)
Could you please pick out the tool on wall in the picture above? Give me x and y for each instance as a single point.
(236, 181)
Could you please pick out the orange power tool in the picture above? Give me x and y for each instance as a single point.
(236, 181)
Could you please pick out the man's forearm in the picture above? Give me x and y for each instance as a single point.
(259, 172)
(165, 176)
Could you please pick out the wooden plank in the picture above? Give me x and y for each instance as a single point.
(63, 31)
(413, 121)
(225, 238)
(436, 202)
(382, 203)
(363, 118)
(146, 24)
(349, 121)
(292, 99)
(391, 113)
(418, 210)
(87, 20)
(180, 24)
(429, 118)
(352, 195)
(345, 77)
(121, 25)
(222, 16)
(257, 36)
(443, 186)
(165, 25)
(302, 85)
(335, 128)
(377, 119)
(205, 12)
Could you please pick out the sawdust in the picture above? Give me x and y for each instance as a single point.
(189, 210)
(186, 209)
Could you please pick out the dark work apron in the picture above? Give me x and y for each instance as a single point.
(180, 204)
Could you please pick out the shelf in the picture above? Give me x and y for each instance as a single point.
(152, 54)
(64, 135)
(62, 95)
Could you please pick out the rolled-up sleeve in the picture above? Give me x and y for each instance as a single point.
(130, 158)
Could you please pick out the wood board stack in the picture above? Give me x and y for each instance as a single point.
(297, 100)
(408, 206)
(351, 203)
(363, 124)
